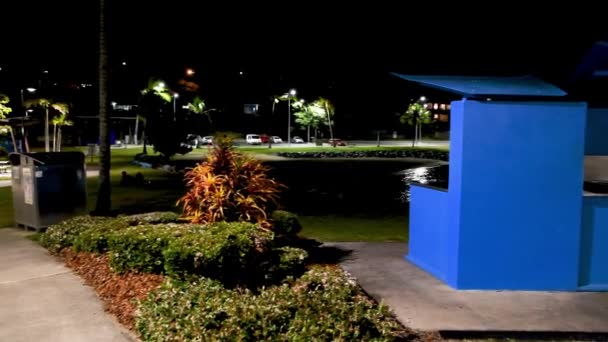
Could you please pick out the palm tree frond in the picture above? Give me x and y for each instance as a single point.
(61, 107)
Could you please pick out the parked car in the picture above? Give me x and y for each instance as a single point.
(264, 139)
(276, 140)
(192, 141)
(297, 140)
(337, 142)
(253, 139)
(208, 140)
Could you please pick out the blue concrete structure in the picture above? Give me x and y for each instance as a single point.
(594, 253)
(515, 216)
(596, 142)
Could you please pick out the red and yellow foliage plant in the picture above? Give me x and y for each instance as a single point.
(229, 186)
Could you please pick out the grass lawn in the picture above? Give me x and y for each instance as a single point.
(165, 189)
(266, 150)
(6, 207)
(352, 228)
(161, 194)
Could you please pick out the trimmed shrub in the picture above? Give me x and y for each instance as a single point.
(324, 305)
(94, 238)
(405, 153)
(288, 262)
(285, 223)
(90, 233)
(233, 253)
(62, 235)
(140, 248)
(157, 217)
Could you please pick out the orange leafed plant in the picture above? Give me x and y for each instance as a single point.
(229, 186)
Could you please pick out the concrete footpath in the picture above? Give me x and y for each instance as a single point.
(422, 302)
(42, 300)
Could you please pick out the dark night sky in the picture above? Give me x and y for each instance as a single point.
(301, 37)
(345, 51)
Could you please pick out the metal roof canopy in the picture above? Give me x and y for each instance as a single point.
(595, 62)
(487, 86)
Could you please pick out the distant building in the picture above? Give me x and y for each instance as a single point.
(251, 108)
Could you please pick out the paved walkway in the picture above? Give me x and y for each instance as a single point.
(42, 300)
(422, 302)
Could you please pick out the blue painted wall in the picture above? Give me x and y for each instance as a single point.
(428, 237)
(516, 172)
(596, 141)
(594, 244)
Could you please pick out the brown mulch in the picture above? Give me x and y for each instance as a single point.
(118, 291)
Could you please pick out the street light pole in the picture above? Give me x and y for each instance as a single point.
(175, 96)
(291, 93)
(24, 143)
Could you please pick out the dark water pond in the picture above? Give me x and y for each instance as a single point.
(352, 186)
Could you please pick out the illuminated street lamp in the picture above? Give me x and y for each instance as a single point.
(291, 93)
(26, 111)
(29, 90)
(189, 72)
(175, 96)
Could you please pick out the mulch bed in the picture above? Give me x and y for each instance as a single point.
(118, 291)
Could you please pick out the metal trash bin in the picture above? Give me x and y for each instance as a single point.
(47, 187)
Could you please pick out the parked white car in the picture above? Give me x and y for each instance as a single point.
(253, 139)
(276, 140)
(208, 140)
(297, 140)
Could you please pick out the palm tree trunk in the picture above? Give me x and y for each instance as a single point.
(47, 145)
(331, 132)
(13, 139)
(27, 144)
(59, 139)
(143, 139)
(136, 129)
(103, 195)
(54, 138)
(308, 134)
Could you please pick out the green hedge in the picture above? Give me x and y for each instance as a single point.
(90, 233)
(230, 252)
(151, 218)
(285, 223)
(323, 305)
(64, 234)
(140, 248)
(289, 262)
(234, 253)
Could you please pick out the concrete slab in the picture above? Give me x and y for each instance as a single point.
(42, 300)
(422, 302)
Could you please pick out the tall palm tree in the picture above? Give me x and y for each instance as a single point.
(62, 109)
(58, 122)
(46, 105)
(103, 204)
(151, 103)
(4, 110)
(329, 112)
(199, 107)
